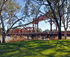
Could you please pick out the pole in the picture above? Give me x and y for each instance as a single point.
(37, 27)
(33, 27)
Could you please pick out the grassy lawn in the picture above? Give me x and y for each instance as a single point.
(40, 48)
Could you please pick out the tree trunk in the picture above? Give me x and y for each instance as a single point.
(59, 33)
(3, 37)
(59, 28)
(65, 33)
(3, 28)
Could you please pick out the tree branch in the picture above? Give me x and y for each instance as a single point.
(54, 15)
(14, 24)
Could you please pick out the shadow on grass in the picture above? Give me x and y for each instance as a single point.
(35, 49)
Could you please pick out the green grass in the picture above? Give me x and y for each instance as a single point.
(40, 48)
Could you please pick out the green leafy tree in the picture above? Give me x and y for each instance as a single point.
(8, 9)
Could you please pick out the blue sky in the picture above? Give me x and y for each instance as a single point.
(42, 24)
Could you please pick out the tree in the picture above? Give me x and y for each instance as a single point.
(7, 10)
(46, 31)
(65, 18)
(56, 11)
(55, 8)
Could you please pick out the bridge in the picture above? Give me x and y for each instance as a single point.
(33, 31)
(37, 34)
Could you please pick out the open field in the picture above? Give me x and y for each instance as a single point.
(39, 48)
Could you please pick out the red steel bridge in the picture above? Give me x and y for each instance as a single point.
(38, 33)
(33, 31)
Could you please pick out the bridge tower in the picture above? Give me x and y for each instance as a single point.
(35, 26)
